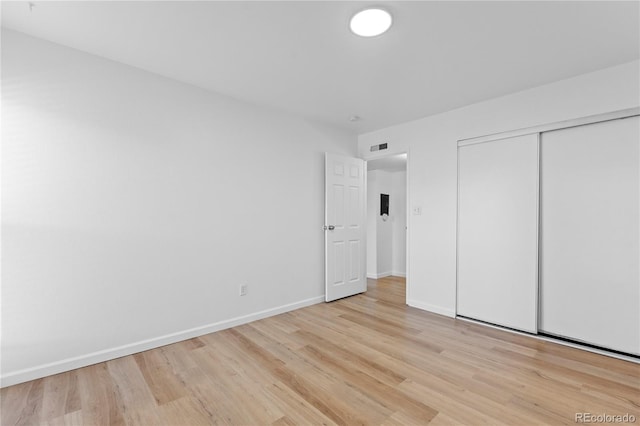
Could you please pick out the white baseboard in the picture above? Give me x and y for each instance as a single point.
(378, 276)
(399, 274)
(451, 313)
(20, 376)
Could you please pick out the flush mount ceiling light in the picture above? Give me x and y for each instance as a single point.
(370, 22)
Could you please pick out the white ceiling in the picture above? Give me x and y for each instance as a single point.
(299, 56)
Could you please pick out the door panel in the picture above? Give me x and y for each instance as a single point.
(590, 198)
(498, 232)
(345, 245)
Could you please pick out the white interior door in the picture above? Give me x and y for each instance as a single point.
(345, 226)
(498, 232)
(590, 200)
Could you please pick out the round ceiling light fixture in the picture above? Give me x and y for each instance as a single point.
(370, 22)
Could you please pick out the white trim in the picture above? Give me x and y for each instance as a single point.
(365, 218)
(386, 274)
(536, 295)
(614, 115)
(380, 275)
(408, 215)
(451, 313)
(558, 341)
(56, 367)
(455, 306)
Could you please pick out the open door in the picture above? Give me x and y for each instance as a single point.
(345, 226)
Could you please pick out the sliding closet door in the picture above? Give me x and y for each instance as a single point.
(498, 232)
(590, 187)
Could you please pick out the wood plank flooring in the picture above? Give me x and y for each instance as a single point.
(368, 359)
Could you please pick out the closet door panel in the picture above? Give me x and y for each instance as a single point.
(498, 232)
(590, 197)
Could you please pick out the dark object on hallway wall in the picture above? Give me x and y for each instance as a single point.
(384, 204)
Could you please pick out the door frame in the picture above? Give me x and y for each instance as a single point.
(407, 212)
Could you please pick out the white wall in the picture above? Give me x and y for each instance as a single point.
(383, 233)
(373, 210)
(398, 211)
(134, 206)
(431, 143)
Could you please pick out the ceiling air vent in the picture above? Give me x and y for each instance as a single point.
(379, 147)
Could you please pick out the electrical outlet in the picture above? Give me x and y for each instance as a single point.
(243, 290)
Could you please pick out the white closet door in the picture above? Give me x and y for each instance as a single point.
(590, 187)
(498, 232)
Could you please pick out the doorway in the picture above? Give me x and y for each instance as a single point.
(387, 196)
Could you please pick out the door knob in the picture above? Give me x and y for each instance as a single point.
(330, 227)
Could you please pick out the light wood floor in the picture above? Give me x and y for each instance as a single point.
(368, 359)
